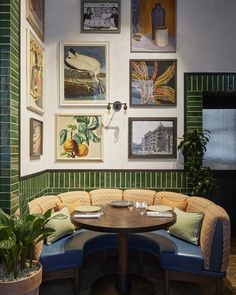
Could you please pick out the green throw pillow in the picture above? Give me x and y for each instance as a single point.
(62, 225)
(187, 226)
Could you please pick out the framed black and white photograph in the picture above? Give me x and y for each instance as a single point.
(100, 16)
(152, 137)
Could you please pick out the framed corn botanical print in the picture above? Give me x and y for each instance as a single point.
(84, 73)
(79, 137)
(152, 83)
(35, 75)
(152, 138)
(35, 16)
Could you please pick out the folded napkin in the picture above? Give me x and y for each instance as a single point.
(87, 215)
(159, 214)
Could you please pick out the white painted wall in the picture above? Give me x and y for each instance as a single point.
(206, 42)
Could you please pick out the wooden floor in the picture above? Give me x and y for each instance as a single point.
(94, 270)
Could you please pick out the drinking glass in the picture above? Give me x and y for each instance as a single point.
(142, 208)
(131, 206)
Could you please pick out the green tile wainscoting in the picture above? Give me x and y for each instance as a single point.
(9, 103)
(54, 182)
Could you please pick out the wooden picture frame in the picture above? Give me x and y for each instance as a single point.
(153, 82)
(35, 74)
(84, 72)
(35, 16)
(79, 137)
(36, 138)
(152, 138)
(100, 16)
(153, 26)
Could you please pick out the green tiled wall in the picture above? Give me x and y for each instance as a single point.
(34, 186)
(195, 85)
(82, 180)
(9, 104)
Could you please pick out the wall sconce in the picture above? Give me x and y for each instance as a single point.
(117, 105)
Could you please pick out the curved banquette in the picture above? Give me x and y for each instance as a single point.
(180, 260)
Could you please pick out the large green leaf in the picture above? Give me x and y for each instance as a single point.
(63, 136)
(82, 119)
(8, 242)
(93, 137)
(93, 123)
(82, 128)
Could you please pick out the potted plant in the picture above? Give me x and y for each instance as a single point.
(193, 146)
(19, 273)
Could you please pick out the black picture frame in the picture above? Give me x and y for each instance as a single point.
(152, 138)
(100, 16)
(153, 82)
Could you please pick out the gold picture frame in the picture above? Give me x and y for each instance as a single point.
(35, 73)
(35, 16)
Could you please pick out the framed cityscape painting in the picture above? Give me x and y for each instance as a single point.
(79, 137)
(35, 74)
(153, 26)
(153, 83)
(35, 16)
(36, 138)
(100, 16)
(152, 138)
(84, 73)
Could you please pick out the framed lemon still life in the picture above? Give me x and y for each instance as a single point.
(79, 137)
(35, 74)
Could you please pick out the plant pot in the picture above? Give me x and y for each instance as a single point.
(24, 286)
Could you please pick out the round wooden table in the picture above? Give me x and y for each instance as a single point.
(123, 222)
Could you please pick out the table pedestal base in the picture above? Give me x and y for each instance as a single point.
(107, 286)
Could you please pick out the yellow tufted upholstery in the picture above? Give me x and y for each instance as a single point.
(139, 195)
(70, 197)
(105, 196)
(169, 195)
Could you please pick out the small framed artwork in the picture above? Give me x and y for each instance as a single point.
(153, 83)
(153, 26)
(79, 137)
(84, 73)
(100, 16)
(35, 16)
(152, 138)
(36, 138)
(35, 75)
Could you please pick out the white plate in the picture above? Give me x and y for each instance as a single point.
(120, 203)
(159, 208)
(87, 208)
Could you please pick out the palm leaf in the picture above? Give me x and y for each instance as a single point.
(166, 76)
(164, 93)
